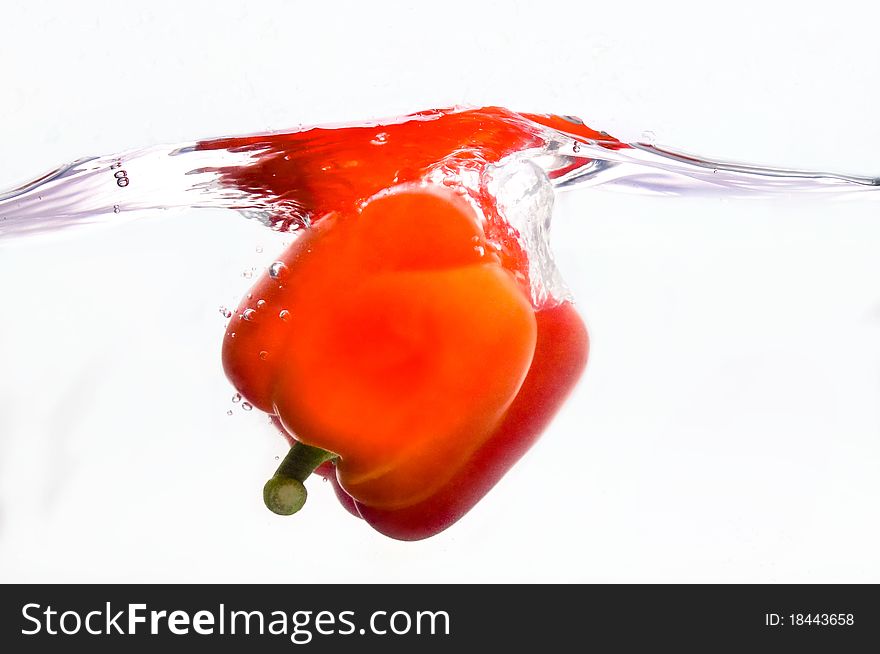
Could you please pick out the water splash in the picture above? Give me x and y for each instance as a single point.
(88, 190)
(289, 180)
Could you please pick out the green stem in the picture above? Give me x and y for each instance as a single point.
(285, 493)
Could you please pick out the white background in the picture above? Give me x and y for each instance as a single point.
(727, 428)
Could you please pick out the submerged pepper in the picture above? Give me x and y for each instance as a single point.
(397, 343)
(393, 341)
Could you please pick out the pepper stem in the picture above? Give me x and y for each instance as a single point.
(285, 493)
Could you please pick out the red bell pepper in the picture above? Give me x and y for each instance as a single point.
(397, 345)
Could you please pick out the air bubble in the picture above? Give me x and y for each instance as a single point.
(261, 304)
(381, 139)
(236, 398)
(276, 269)
(246, 406)
(480, 250)
(229, 413)
(247, 274)
(264, 355)
(259, 249)
(284, 315)
(248, 315)
(225, 312)
(648, 137)
(116, 208)
(576, 147)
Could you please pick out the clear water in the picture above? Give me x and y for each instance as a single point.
(727, 421)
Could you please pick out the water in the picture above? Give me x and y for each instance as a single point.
(286, 181)
(730, 399)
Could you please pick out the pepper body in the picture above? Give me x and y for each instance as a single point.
(560, 356)
(395, 341)
(395, 338)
